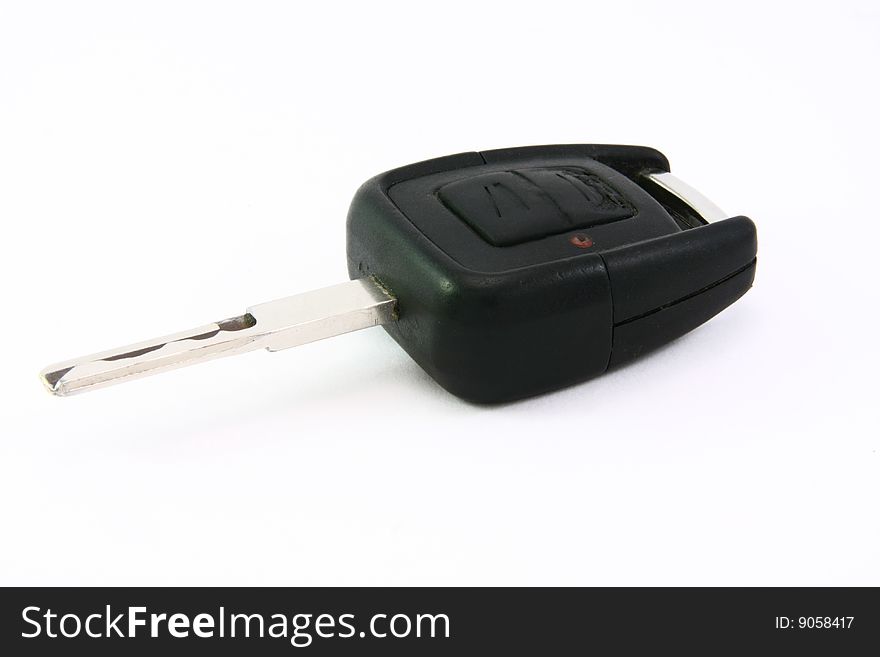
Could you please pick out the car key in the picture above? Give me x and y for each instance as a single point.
(504, 274)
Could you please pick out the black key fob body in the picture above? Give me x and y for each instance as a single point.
(523, 270)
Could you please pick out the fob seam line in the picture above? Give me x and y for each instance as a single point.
(611, 298)
(688, 296)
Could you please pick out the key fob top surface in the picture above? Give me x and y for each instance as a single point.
(524, 270)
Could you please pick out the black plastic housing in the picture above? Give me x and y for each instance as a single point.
(523, 270)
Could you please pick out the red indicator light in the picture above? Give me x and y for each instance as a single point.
(581, 241)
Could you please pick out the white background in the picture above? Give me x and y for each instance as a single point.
(166, 164)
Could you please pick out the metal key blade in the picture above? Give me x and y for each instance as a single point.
(274, 326)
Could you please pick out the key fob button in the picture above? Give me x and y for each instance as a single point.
(512, 207)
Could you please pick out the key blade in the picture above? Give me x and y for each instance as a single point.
(159, 354)
(275, 325)
(334, 310)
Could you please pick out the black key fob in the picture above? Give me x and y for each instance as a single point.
(523, 270)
